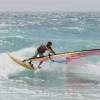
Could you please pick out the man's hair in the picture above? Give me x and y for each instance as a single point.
(49, 43)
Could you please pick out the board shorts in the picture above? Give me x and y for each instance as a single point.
(37, 54)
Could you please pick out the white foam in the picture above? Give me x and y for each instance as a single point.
(7, 66)
(75, 28)
(85, 70)
(3, 24)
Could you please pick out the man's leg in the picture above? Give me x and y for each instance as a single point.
(40, 64)
(30, 62)
(40, 55)
(35, 55)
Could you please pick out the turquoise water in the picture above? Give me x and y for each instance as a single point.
(21, 33)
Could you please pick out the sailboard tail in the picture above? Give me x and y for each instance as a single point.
(21, 63)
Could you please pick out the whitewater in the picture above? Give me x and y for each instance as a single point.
(22, 32)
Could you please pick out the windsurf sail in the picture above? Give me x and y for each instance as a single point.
(68, 56)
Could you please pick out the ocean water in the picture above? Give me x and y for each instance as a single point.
(22, 32)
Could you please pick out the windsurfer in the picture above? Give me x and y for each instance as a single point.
(40, 52)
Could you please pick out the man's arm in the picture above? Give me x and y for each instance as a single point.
(52, 51)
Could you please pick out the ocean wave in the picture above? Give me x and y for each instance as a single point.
(84, 70)
(4, 25)
(75, 28)
(8, 67)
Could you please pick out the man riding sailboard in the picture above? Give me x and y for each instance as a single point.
(40, 53)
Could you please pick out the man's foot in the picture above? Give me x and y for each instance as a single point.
(31, 64)
(23, 60)
(39, 67)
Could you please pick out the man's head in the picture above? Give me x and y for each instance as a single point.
(49, 44)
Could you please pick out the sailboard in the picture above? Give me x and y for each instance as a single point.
(68, 56)
(23, 64)
(59, 58)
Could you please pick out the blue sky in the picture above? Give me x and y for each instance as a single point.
(49, 5)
